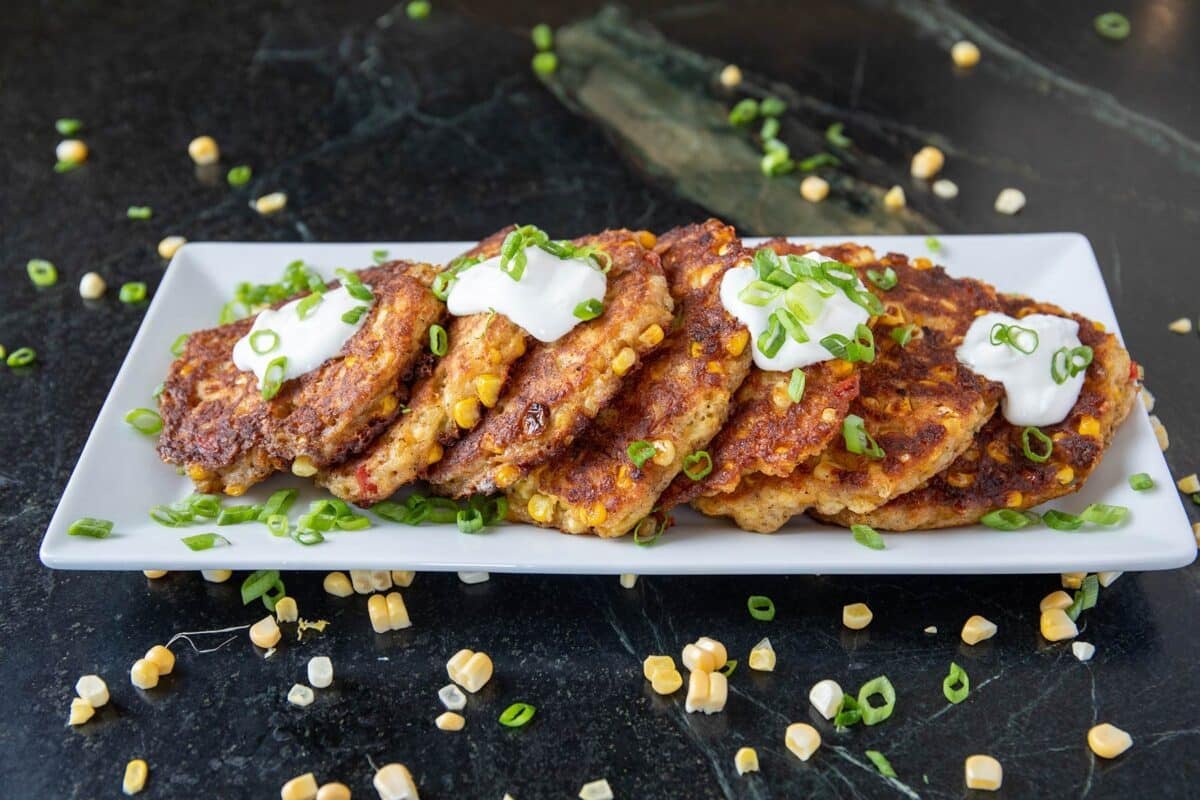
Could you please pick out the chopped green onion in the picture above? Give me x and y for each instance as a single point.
(1089, 592)
(761, 607)
(881, 763)
(770, 129)
(589, 309)
(956, 685)
(932, 243)
(418, 9)
(1023, 340)
(91, 527)
(791, 325)
(729, 667)
(307, 537)
(263, 341)
(67, 126)
(204, 541)
(697, 465)
(640, 452)
(352, 316)
(273, 377)
(158, 390)
(67, 166)
(545, 64)
(873, 305)
(236, 515)
(766, 262)
(41, 272)
(517, 715)
(1062, 521)
(903, 334)
(848, 713)
(1066, 363)
(885, 280)
(277, 524)
(542, 36)
(132, 292)
(21, 357)
(1102, 514)
(470, 520)
(258, 583)
(379, 256)
(1008, 519)
(744, 112)
(144, 420)
(278, 503)
(861, 348)
(834, 135)
(439, 342)
(239, 175)
(795, 388)
(771, 340)
(759, 293)
(804, 300)
(1045, 442)
(1112, 26)
(354, 522)
(657, 528)
(772, 107)
(512, 250)
(776, 161)
(170, 517)
(873, 715)
(858, 441)
(308, 305)
(139, 212)
(1141, 482)
(204, 505)
(181, 342)
(817, 161)
(868, 537)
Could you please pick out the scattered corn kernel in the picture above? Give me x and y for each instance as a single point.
(320, 671)
(745, 760)
(360, 579)
(487, 389)
(71, 151)
(719, 654)
(624, 360)
(1147, 399)
(93, 690)
(965, 54)
(731, 76)
(397, 612)
(826, 698)
(337, 584)
(303, 467)
(977, 629)
(449, 721)
(666, 681)
(1108, 741)
(377, 609)
(707, 692)
(395, 782)
(814, 188)
(596, 790)
(270, 203)
(1181, 325)
(652, 335)
(1189, 484)
(466, 412)
(736, 344)
(1056, 625)
(216, 575)
(1072, 580)
(169, 246)
(136, 772)
(1160, 433)
(1108, 578)
(1056, 599)
(1083, 650)
(300, 695)
(302, 787)
(471, 578)
(540, 508)
(452, 697)
(983, 772)
(802, 740)
(856, 616)
(927, 162)
(945, 188)
(92, 286)
(154, 574)
(204, 150)
(697, 659)
(664, 452)
(894, 199)
(628, 580)
(286, 609)
(381, 580)
(762, 656)
(333, 791)
(932, 629)
(144, 674)
(403, 578)
(1010, 201)
(162, 657)
(469, 669)
(265, 633)
(654, 663)
(81, 711)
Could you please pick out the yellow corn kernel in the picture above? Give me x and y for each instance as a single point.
(387, 404)
(1108, 578)
(1073, 580)
(449, 721)
(81, 711)
(216, 575)
(652, 335)
(715, 649)
(653, 664)
(698, 660)
(802, 740)
(927, 162)
(624, 361)
(403, 578)
(1013, 499)
(236, 489)
(381, 580)
(1182, 325)
(377, 610)
(1160, 432)
(302, 787)
(960, 480)
(1108, 741)
(628, 580)
(434, 454)
(814, 188)
(333, 791)
(666, 681)
(736, 344)
(72, 151)
(762, 656)
(707, 692)
(856, 616)
(270, 203)
(1089, 426)
(337, 584)
(265, 633)
(162, 658)
(695, 349)
(470, 670)
(1065, 475)
(624, 478)
(983, 772)
(978, 629)
(487, 389)
(596, 514)
(1056, 599)
(144, 674)
(541, 508)
(92, 689)
(136, 772)
(1056, 625)
(596, 790)
(664, 452)
(198, 473)
(286, 609)
(965, 54)
(360, 579)
(647, 239)
(715, 368)
(466, 412)
(397, 612)
(303, 467)
(154, 574)
(730, 76)
(1189, 485)
(780, 397)
(745, 760)
(204, 150)
(1196, 533)
(506, 475)
(395, 782)
(894, 199)
(922, 263)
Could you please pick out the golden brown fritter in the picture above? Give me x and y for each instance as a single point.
(216, 424)
(919, 404)
(444, 404)
(559, 387)
(676, 402)
(994, 472)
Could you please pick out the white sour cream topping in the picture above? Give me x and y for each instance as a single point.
(543, 302)
(838, 314)
(306, 343)
(1031, 397)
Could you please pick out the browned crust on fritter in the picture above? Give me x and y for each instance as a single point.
(479, 345)
(677, 401)
(994, 472)
(558, 387)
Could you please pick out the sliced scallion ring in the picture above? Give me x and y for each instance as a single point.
(1102, 514)
(178, 345)
(439, 341)
(132, 293)
(858, 441)
(1009, 519)
(640, 452)
(759, 293)
(278, 525)
(697, 465)
(956, 685)
(849, 713)
(1023, 340)
(791, 325)
(258, 583)
(308, 537)
(903, 334)
(761, 607)
(237, 515)
(21, 357)
(885, 279)
(264, 341)
(803, 300)
(873, 715)
(517, 715)
(796, 383)
(1113, 26)
(1044, 448)
(1141, 482)
(273, 377)
(1062, 521)
(868, 537)
(771, 340)
(204, 541)
(41, 272)
(589, 309)
(90, 527)
(881, 763)
(144, 420)
(308, 305)
(470, 520)
(352, 316)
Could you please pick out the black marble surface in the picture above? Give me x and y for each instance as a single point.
(381, 128)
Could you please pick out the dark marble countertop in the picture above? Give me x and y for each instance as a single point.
(381, 128)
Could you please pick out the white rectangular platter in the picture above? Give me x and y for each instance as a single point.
(119, 476)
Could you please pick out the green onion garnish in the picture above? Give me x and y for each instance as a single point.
(418, 9)
(517, 715)
(139, 212)
(306, 307)
(1023, 340)
(771, 340)
(1141, 482)
(903, 334)
(91, 527)
(21, 357)
(307, 537)
(744, 112)
(858, 441)
(354, 285)
(542, 36)
(1062, 521)
(1066, 363)
(848, 713)
(881, 763)
(868, 537)
(258, 583)
(804, 300)
(834, 135)
(640, 452)
(239, 175)
(956, 685)
(589, 309)
(885, 280)
(170, 517)
(1089, 591)
(41, 272)
(873, 305)
(354, 522)
(264, 341)
(795, 388)
(204, 505)
(204, 541)
(761, 607)
(379, 256)
(657, 527)
(933, 245)
(730, 666)
(791, 325)
(470, 520)
(144, 420)
(181, 342)
(132, 292)
(352, 316)
(236, 515)
(67, 166)
(766, 262)
(1045, 445)
(67, 126)
(861, 348)
(273, 377)
(772, 107)
(278, 525)
(1102, 514)
(817, 161)
(759, 293)
(512, 250)
(776, 161)
(873, 715)
(439, 342)
(158, 390)
(697, 465)
(545, 64)
(1112, 26)
(1008, 519)
(769, 129)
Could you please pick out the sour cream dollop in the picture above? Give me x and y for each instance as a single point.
(306, 343)
(1031, 395)
(542, 302)
(839, 314)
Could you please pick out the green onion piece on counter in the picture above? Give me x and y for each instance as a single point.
(1112, 26)
(761, 607)
(903, 334)
(776, 161)
(67, 166)
(470, 520)
(379, 256)
(589, 309)
(517, 715)
(41, 272)
(542, 36)
(873, 715)
(772, 107)
(1141, 482)
(1009, 519)
(139, 212)
(858, 441)
(308, 305)
(257, 584)
(68, 126)
(236, 515)
(817, 161)
(239, 175)
(881, 763)
(545, 64)
(956, 685)
(144, 420)
(796, 383)
(308, 537)
(1090, 592)
(204, 541)
(21, 357)
(132, 292)
(418, 9)
(885, 280)
(1023, 340)
(933, 244)
(264, 341)
(1102, 514)
(745, 112)
(640, 452)
(770, 129)
(848, 713)
(868, 537)
(273, 377)
(278, 525)
(1062, 521)
(90, 527)
(697, 465)
(181, 342)
(1045, 445)
(729, 667)
(835, 137)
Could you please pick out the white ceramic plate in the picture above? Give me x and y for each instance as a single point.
(119, 477)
